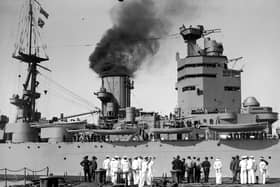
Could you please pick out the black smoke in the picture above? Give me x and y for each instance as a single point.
(137, 25)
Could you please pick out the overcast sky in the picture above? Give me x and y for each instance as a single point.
(249, 28)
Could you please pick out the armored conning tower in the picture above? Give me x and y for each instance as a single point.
(205, 84)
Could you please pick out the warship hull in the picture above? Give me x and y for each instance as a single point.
(65, 158)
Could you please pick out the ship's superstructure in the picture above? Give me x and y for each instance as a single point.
(210, 92)
(204, 81)
(114, 94)
(209, 119)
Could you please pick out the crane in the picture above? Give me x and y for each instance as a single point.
(210, 31)
(234, 60)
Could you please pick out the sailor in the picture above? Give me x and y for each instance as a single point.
(125, 168)
(135, 170)
(206, 168)
(251, 167)
(231, 167)
(189, 169)
(243, 170)
(183, 169)
(236, 168)
(143, 172)
(86, 164)
(150, 171)
(114, 169)
(177, 168)
(198, 170)
(106, 166)
(193, 167)
(93, 167)
(218, 170)
(263, 165)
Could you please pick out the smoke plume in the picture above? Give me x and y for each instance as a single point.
(132, 39)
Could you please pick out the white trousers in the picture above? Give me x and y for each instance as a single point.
(136, 177)
(251, 176)
(108, 174)
(262, 177)
(218, 177)
(114, 177)
(143, 178)
(243, 176)
(149, 178)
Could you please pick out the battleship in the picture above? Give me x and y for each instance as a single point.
(210, 119)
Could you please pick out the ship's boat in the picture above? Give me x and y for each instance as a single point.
(249, 127)
(128, 131)
(171, 130)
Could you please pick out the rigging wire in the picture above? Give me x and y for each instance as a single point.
(166, 37)
(57, 94)
(74, 95)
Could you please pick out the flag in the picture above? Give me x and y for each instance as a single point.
(42, 11)
(41, 23)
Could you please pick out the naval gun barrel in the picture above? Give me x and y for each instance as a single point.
(78, 115)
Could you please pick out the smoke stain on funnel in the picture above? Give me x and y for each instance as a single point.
(130, 41)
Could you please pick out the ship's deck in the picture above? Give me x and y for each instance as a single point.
(272, 182)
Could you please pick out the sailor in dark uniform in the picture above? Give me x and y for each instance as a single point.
(206, 168)
(86, 164)
(93, 167)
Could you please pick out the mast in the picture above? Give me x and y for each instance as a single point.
(30, 54)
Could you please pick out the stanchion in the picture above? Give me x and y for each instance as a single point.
(6, 180)
(24, 176)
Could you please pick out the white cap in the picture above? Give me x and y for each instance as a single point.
(251, 156)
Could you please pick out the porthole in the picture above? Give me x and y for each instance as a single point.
(147, 145)
(95, 146)
(211, 158)
(64, 158)
(101, 146)
(9, 147)
(78, 146)
(59, 146)
(38, 147)
(28, 147)
(269, 157)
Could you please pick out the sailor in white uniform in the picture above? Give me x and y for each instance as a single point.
(135, 170)
(251, 168)
(106, 166)
(243, 170)
(150, 171)
(263, 170)
(143, 172)
(115, 166)
(140, 161)
(218, 170)
(125, 168)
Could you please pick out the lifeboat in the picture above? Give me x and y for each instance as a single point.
(245, 127)
(128, 131)
(170, 130)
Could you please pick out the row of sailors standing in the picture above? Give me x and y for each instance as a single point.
(137, 171)
(246, 169)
